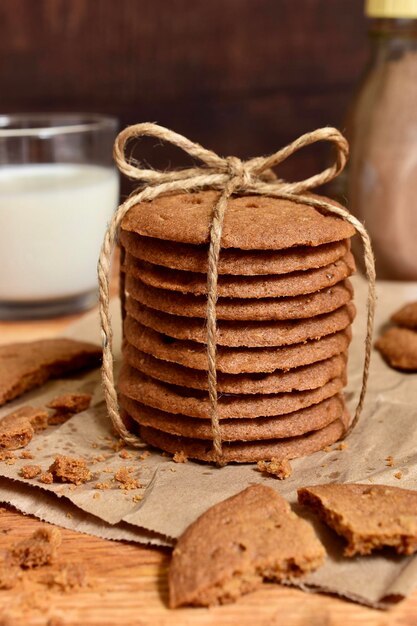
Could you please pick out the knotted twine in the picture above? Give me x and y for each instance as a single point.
(229, 176)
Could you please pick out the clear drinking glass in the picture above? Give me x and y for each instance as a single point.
(58, 190)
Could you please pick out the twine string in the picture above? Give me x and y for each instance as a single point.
(227, 175)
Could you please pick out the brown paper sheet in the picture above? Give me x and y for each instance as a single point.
(173, 495)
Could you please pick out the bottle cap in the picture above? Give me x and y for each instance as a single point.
(391, 8)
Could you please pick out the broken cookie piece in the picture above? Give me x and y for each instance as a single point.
(279, 469)
(38, 418)
(369, 517)
(70, 470)
(16, 430)
(67, 405)
(398, 346)
(27, 365)
(238, 543)
(38, 549)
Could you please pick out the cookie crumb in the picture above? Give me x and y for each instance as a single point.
(118, 445)
(328, 449)
(70, 470)
(279, 469)
(9, 576)
(123, 476)
(137, 498)
(38, 549)
(144, 455)
(96, 496)
(67, 577)
(342, 446)
(102, 486)
(124, 454)
(6, 454)
(10, 461)
(46, 478)
(30, 471)
(180, 457)
(389, 461)
(67, 405)
(69, 515)
(26, 455)
(398, 475)
(99, 458)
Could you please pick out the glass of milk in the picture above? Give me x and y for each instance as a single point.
(58, 190)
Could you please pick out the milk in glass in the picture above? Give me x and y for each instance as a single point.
(52, 221)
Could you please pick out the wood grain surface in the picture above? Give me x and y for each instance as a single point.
(126, 584)
(241, 77)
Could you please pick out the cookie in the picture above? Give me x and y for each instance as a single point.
(248, 452)
(250, 222)
(182, 256)
(398, 346)
(272, 286)
(369, 517)
(236, 544)
(235, 360)
(300, 379)
(275, 427)
(16, 430)
(24, 366)
(248, 334)
(194, 403)
(67, 405)
(188, 305)
(406, 316)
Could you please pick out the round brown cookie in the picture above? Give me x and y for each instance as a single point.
(301, 379)
(406, 316)
(398, 346)
(240, 334)
(248, 452)
(295, 284)
(194, 403)
(235, 360)
(188, 305)
(250, 222)
(188, 257)
(276, 427)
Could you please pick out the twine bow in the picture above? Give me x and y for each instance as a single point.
(228, 175)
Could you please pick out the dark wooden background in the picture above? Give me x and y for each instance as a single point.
(240, 76)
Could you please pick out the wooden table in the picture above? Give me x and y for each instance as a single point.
(127, 584)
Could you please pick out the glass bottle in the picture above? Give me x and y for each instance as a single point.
(382, 131)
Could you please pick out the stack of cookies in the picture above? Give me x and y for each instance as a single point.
(284, 314)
